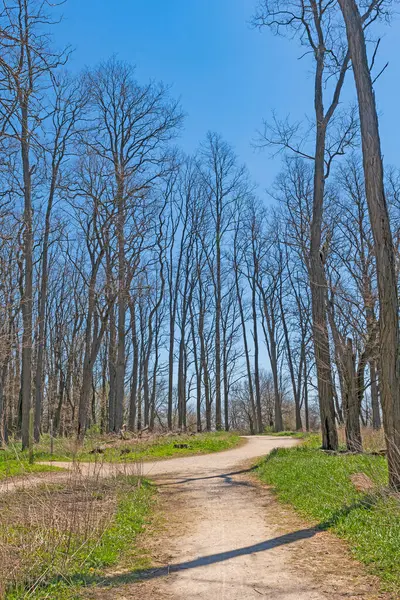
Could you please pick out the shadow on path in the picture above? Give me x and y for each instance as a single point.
(211, 559)
(227, 477)
(202, 561)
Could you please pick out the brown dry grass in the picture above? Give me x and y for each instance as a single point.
(48, 529)
(373, 439)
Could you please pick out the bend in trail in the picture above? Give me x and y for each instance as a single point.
(184, 467)
(234, 540)
(227, 538)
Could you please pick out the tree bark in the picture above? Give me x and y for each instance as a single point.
(383, 242)
(246, 348)
(27, 299)
(376, 415)
(218, 407)
(352, 399)
(318, 286)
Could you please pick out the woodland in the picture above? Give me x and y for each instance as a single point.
(144, 289)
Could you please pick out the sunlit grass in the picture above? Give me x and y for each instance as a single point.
(110, 449)
(321, 486)
(14, 463)
(59, 555)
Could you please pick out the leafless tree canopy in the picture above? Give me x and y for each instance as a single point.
(143, 288)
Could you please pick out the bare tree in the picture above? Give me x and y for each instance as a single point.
(68, 104)
(223, 181)
(269, 290)
(26, 67)
(316, 25)
(380, 225)
(133, 126)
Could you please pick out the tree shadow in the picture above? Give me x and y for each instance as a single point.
(202, 561)
(226, 477)
(367, 501)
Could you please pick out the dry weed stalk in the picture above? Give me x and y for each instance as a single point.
(48, 528)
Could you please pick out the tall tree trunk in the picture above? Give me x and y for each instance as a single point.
(351, 401)
(122, 296)
(269, 327)
(85, 394)
(141, 360)
(3, 416)
(171, 368)
(42, 313)
(260, 427)
(198, 369)
(146, 385)
(350, 393)
(27, 299)
(181, 380)
(204, 366)
(103, 401)
(383, 242)
(135, 369)
(295, 387)
(112, 358)
(317, 274)
(305, 394)
(278, 422)
(246, 348)
(93, 339)
(321, 338)
(154, 378)
(87, 361)
(218, 303)
(225, 375)
(376, 415)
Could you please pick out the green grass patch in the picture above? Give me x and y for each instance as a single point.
(14, 463)
(319, 486)
(113, 450)
(299, 435)
(78, 560)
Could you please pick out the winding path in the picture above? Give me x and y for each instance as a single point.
(227, 538)
(229, 550)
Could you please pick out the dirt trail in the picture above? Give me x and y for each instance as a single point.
(227, 538)
(182, 467)
(236, 542)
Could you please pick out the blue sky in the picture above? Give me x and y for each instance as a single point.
(228, 75)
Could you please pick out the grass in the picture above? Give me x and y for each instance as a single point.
(14, 463)
(300, 435)
(61, 537)
(74, 555)
(112, 449)
(320, 487)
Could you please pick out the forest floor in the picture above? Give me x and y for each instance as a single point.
(225, 536)
(16, 470)
(133, 447)
(218, 533)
